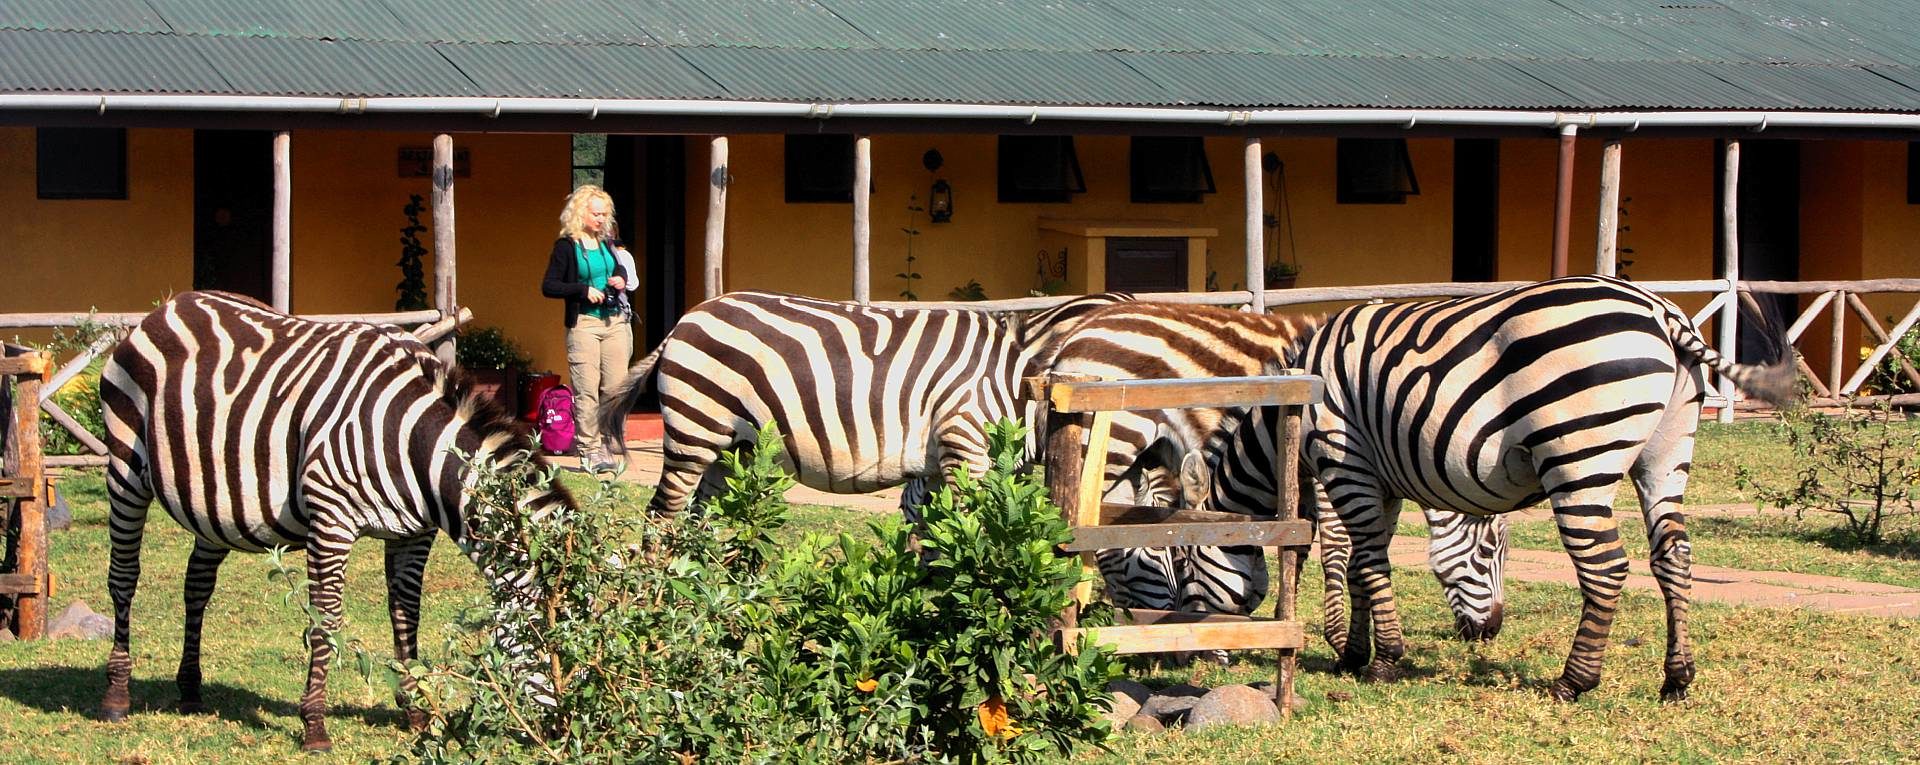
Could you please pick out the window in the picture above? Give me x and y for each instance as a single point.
(1039, 168)
(1374, 171)
(590, 159)
(81, 163)
(1168, 169)
(1913, 172)
(820, 168)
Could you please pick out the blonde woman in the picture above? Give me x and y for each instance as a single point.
(584, 270)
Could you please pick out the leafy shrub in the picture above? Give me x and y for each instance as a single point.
(489, 348)
(709, 639)
(1888, 378)
(80, 397)
(1856, 465)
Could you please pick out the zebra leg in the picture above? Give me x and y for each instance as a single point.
(683, 469)
(1660, 478)
(1583, 509)
(1371, 520)
(203, 571)
(406, 563)
(326, 575)
(130, 497)
(1347, 624)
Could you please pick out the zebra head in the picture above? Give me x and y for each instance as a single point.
(1468, 554)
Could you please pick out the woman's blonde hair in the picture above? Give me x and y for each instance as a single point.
(573, 215)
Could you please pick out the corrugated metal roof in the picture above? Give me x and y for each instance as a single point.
(559, 22)
(1016, 77)
(748, 23)
(90, 62)
(81, 16)
(1574, 54)
(304, 19)
(580, 71)
(332, 68)
(1331, 81)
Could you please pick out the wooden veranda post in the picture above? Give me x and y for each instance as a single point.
(717, 181)
(445, 296)
(23, 482)
(1606, 257)
(282, 287)
(1730, 271)
(862, 219)
(1256, 228)
(1076, 478)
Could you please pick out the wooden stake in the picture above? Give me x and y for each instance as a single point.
(30, 609)
(282, 287)
(1606, 257)
(1730, 267)
(717, 181)
(862, 219)
(1256, 228)
(445, 295)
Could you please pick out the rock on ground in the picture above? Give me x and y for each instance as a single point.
(78, 622)
(1232, 705)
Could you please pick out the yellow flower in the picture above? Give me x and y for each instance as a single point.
(867, 685)
(994, 720)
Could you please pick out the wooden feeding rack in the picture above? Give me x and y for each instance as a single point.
(23, 492)
(1079, 423)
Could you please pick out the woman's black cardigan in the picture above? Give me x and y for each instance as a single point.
(563, 277)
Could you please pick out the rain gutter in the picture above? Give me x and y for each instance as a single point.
(591, 108)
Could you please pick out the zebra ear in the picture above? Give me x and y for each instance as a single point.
(1196, 482)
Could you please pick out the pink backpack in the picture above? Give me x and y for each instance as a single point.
(556, 419)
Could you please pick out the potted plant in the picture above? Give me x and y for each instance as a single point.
(1280, 275)
(494, 362)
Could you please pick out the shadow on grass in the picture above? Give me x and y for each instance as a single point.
(73, 689)
(1902, 544)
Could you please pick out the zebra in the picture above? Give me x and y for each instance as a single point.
(1148, 341)
(866, 397)
(258, 430)
(1485, 405)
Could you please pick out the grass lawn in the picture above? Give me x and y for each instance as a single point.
(1773, 686)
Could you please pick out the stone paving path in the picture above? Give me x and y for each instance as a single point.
(1776, 589)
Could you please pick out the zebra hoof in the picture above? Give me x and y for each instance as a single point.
(321, 745)
(191, 708)
(1564, 691)
(1673, 692)
(114, 713)
(1383, 672)
(417, 720)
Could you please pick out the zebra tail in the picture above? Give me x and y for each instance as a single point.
(1776, 383)
(613, 412)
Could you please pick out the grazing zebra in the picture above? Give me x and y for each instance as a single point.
(1489, 404)
(256, 430)
(1157, 341)
(866, 397)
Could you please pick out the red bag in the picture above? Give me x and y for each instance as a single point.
(532, 387)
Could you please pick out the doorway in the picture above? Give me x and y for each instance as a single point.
(1476, 209)
(1769, 222)
(233, 211)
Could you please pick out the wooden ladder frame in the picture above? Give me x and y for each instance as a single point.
(24, 490)
(1079, 423)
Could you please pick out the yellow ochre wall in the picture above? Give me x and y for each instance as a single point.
(347, 216)
(806, 248)
(110, 254)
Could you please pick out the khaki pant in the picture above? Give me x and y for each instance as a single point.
(598, 351)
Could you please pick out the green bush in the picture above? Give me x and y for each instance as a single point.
(489, 348)
(80, 397)
(706, 638)
(1855, 464)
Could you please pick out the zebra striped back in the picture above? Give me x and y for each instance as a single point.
(1485, 405)
(865, 397)
(256, 430)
